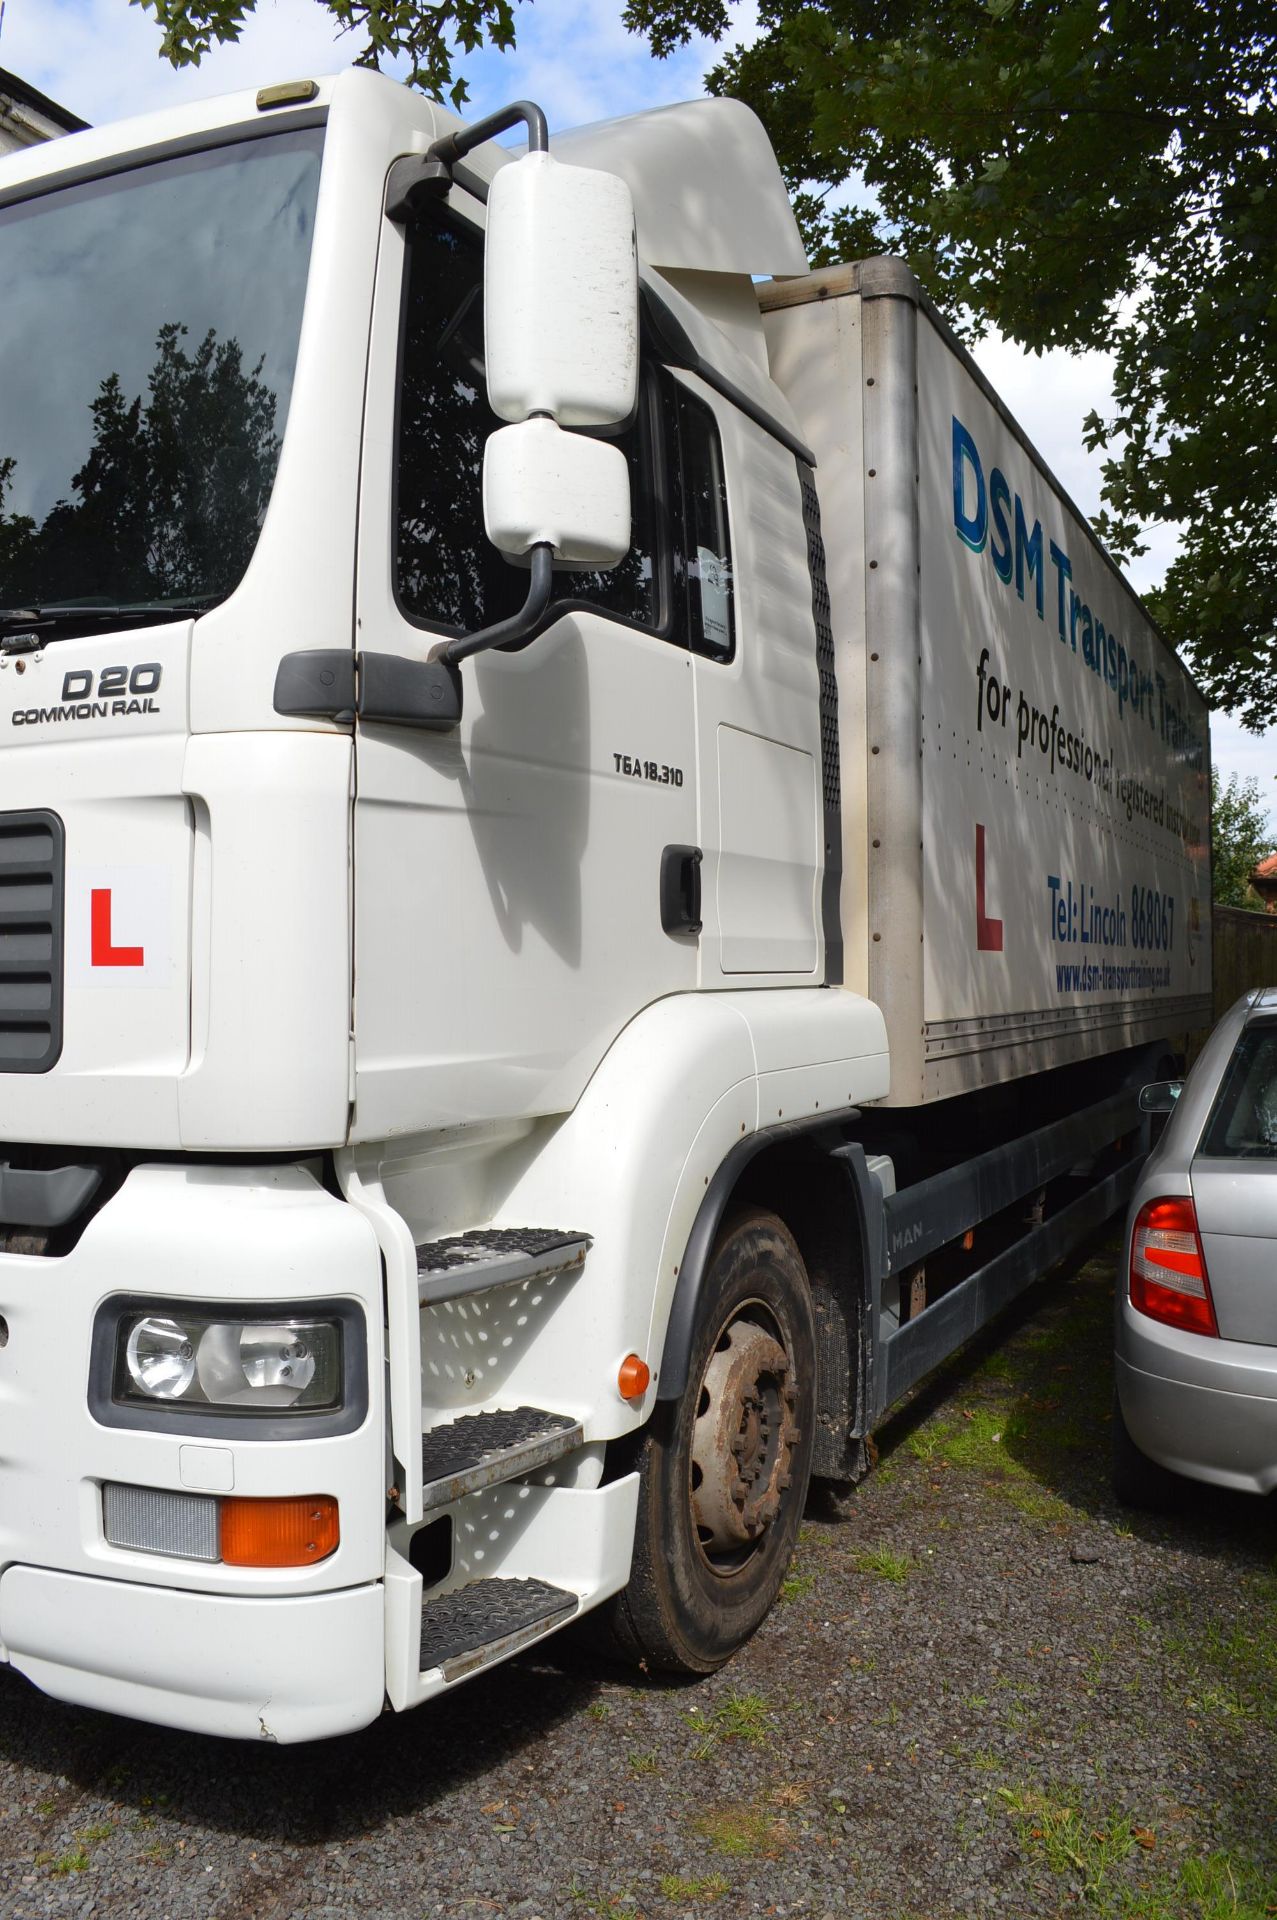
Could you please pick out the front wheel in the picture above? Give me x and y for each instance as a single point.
(724, 1471)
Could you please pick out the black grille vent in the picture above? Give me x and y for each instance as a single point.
(31, 883)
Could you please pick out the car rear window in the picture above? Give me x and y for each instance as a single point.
(1243, 1122)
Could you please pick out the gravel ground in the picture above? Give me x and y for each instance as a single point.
(989, 1693)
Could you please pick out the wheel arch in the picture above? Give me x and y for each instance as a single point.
(819, 1187)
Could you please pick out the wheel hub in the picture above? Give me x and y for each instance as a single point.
(743, 1440)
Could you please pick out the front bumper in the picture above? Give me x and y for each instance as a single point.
(283, 1669)
(1205, 1408)
(288, 1653)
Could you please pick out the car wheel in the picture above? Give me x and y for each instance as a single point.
(723, 1472)
(1137, 1480)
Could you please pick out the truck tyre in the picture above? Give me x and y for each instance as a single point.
(724, 1470)
(1138, 1481)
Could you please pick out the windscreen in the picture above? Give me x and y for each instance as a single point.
(1243, 1124)
(147, 353)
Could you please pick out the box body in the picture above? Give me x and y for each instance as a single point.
(1025, 762)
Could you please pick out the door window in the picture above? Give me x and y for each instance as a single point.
(447, 574)
(1243, 1123)
(704, 553)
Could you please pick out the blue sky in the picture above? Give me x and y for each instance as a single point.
(99, 58)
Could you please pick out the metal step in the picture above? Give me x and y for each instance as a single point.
(485, 1621)
(482, 1449)
(494, 1257)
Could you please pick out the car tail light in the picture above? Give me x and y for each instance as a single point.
(1168, 1268)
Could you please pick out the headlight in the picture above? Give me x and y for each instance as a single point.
(160, 1358)
(194, 1360)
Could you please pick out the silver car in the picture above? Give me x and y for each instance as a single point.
(1196, 1345)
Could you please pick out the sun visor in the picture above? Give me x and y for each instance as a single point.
(708, 194)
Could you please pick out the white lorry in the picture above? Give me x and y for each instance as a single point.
(539, 991)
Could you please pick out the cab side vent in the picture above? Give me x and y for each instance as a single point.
(32, 871)
(831, 777)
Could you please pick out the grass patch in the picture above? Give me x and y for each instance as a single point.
(1216, 1888)
(709, 1886)
(994, 1440)
(644, 1763)
(1092, 1853)
(603, 1904)
(1033, 1410)
(92, 1834)
(741, 1716)
(887, 1565)
(1072, 1843)
(795, 1585)
(76, 1861)
(1230, 1667)
(743, 1831)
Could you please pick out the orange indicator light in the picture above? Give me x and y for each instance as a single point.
(634, 1377)
(279, 1533)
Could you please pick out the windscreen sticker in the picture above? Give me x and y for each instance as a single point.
(714, 577)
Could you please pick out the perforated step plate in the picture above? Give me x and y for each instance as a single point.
(495, 1257)
(482, 1449)
(487, 1620)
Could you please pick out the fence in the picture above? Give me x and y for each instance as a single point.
(1244, 953)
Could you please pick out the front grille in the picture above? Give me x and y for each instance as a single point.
(32, 869)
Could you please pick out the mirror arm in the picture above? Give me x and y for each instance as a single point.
(453, 146)
(520, 626)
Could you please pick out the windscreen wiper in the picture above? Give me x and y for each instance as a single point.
(22, 628)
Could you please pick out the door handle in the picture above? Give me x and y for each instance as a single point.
(681, 889)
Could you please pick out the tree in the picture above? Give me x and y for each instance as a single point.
(1078, 173)
(1240, 838)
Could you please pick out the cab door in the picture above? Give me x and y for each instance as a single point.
(507, 873)
(749, 620)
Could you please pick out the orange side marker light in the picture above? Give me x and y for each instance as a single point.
(293, 1532)
(634, 1377)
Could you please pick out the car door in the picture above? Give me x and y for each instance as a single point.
(1234, 1182)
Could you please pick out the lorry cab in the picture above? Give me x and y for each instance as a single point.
(249, 410)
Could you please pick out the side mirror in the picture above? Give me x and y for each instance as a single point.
(560, 294)
(545, 487)
(1160, 1096)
